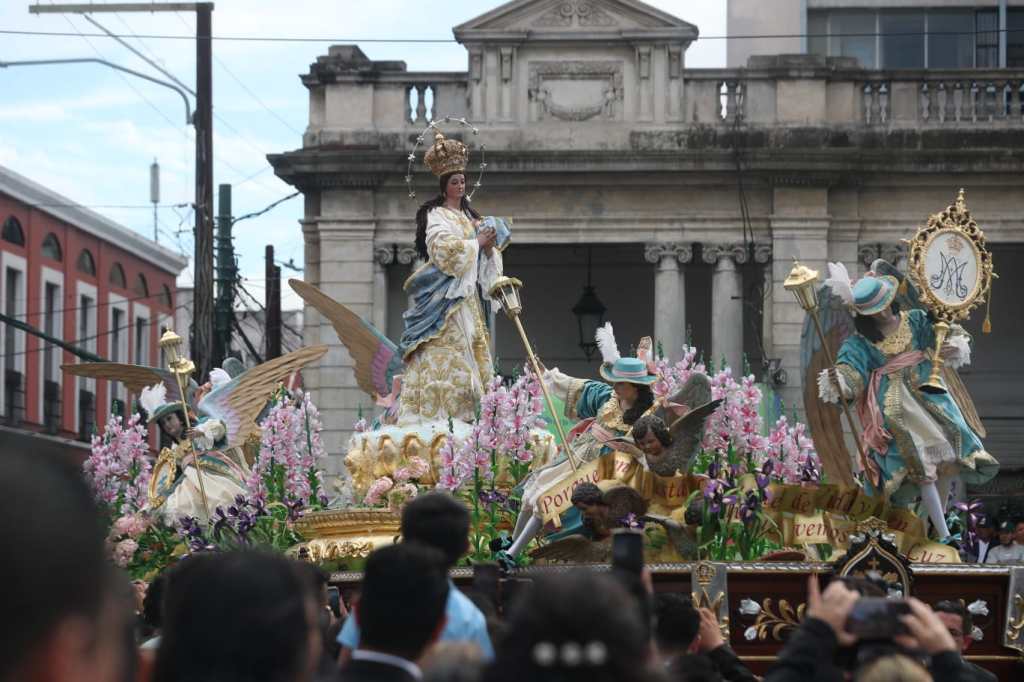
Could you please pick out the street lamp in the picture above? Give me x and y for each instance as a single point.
(589, 312)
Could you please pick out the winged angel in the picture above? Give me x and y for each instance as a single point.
(224, 413)
(917, 443)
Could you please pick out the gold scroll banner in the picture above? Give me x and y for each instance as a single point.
(805, 513)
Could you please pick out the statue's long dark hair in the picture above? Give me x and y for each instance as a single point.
(644, 399)
(868, 328)
(421, 214)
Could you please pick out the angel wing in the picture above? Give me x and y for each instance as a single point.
(680, 537)
(377, 358)
(823, 420)
(687, 433)
(908, 298)
(695, 392)
(238, 402)
(574, 549)
(134, 377)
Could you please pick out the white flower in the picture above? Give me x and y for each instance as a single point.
(750, 633)
(749, 607)
(978, 608)
(976, 634)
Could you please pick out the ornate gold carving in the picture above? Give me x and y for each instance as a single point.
(899, 340)
(775, 624)
(1014, 628)
(704, 572)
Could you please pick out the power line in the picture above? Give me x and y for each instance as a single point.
(260, 212)
(72, 204)
(349, 39)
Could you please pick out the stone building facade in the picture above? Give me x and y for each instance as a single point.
(681, 195)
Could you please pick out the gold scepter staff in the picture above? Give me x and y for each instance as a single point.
(181, 367)
(801, 283)
(506, 291)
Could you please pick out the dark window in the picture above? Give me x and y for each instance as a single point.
(1015, 37)
(14, 390)
(87, 308)
(51, 406)
(51, 301)
(950, 44)
(986, 25)
(51, 247)
(141, 286)
(817, 30)
(117, 332)
(86, 263)
(12, 232)
(165, 296)
(902, 39)
(854, 36)
(141, 341)
(117, 277)
(86, 414)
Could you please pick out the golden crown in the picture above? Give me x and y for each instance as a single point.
(446, 156)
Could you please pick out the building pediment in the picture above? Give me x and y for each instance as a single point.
(574, 21)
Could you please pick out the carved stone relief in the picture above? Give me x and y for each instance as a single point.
(580, 12)
(575, 90)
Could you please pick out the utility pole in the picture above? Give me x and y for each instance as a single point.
(226, 275)
(273, 306)
(154, 195)
(203, 295)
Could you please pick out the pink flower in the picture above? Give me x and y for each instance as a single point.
(400, 495)
(124, 551)
(132, 525)
(118, 468)
(418, 467)
(378, 488)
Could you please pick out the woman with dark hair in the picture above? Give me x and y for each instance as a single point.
(574, 626)
(445, 345)
(238, 616)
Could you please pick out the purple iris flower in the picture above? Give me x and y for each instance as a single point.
(765, 476)
(751, 504)
(715, 497)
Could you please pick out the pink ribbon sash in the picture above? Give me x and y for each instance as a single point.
(875, 434)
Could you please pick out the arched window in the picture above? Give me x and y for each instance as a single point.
(12, 232)
(165, 296)
(117, 276)
(86, 263)
(51, 247)
(141, 287)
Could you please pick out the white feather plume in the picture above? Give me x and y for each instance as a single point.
(839, 280)
(218, 377)
(605, 338)
(152, 397)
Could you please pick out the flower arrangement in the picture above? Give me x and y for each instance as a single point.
(284, 482)
(118, 471)
(741, 458)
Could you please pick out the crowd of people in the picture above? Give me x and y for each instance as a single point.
(999, 542)
(256, 617)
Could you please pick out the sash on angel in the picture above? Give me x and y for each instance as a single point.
(875, 434)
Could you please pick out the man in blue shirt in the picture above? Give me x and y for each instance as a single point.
(440, 521)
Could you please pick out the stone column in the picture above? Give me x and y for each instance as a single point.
(669, 296)
(383, 256)
(407, 255)
(726, 304)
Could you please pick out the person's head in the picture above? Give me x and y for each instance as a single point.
(401, 607)
(867, 325)
(237, 616)
(1006, 532)
(453, 662)
(893, 668)
(676, 624)
(573, 626)
(437, 520)
(957, 620)
(173, 424)
(626, 392)
(986, 528)
(65, 615)
(1018, 532)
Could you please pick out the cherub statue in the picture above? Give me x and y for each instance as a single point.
(917, 443)
(223, 413)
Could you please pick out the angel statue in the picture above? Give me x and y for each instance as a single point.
(223, 413)
(607, 414)
(917, 443)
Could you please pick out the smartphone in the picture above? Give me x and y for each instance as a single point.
(628, 550)
(877, 618)
(334, 601)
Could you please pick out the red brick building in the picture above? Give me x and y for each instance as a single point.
(81, 277)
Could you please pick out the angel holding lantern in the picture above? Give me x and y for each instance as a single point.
(917, 442)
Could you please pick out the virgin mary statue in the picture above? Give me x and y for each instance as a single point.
(445, 346)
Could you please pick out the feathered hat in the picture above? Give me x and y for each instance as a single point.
(870, 295)
(614, 367)
(153, 400)
(446, 156)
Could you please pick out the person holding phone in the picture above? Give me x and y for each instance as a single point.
(811, 652)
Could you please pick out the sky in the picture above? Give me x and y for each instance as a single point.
(91, 133)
